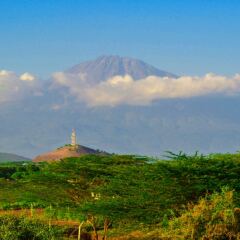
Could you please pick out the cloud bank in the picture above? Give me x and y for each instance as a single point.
(124, 90)
(14, 87)
(119, 89)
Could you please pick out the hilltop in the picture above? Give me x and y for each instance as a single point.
(66, 151)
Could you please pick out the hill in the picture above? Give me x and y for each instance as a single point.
(66, 152)
(9, 157)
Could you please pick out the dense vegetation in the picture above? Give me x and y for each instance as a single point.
(183, 197)
(12, 228)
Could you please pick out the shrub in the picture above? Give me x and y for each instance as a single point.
(213, 217)
(13, 228)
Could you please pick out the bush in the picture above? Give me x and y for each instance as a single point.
(213, 217)
(13, 228)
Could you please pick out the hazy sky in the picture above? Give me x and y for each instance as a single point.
(181, 36)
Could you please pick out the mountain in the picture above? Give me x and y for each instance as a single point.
(106, 67)
(8, 157)
(40, 123)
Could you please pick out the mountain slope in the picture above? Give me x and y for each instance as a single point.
(106, 67)
(9, 157)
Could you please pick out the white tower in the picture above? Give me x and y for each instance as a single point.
(73, 138)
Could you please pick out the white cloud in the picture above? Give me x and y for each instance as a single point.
(5, 73)
(27, 77)
(14, 87)
(124, 90)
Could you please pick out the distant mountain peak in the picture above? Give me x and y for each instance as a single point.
(9, 157)
(108, 66)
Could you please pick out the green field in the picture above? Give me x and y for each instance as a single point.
(132, 197)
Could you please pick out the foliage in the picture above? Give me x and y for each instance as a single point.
(118, 191)
(213, 217)
(19, 228)
(147, 193)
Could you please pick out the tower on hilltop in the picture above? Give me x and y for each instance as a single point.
(68, 151)
(73, 138)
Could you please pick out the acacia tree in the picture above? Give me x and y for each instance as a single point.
(132, 195)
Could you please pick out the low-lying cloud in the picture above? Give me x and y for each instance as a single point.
(14, 87)
(125, 90)
(119, 89)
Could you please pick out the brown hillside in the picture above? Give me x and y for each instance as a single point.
(65, 152)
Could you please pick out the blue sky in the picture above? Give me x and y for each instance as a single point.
(181, 36)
